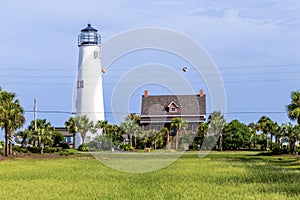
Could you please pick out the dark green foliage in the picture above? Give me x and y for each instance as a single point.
(57, 138)
(216, 123)
(126, 147)
(33, 149)
(83, 147)
(202, 130)
(42, 136)
(50, 150)
(11, 118)
(278, 151)
(185, 141)
(72, 128)
(236, 135)
(266, 125)
(131, 127)
(100, 143)
(194, 146)
(114, 133)
(84, 125)
(64, 145)
(294, 107)
(20, 149)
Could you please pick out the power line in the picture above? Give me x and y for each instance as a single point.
(113, 84)
(110, 112)
(74, 69)
(69, 112)
(146, 75)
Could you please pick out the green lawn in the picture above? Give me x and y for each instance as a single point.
(217, 176)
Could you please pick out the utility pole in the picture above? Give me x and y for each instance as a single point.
(34, 114)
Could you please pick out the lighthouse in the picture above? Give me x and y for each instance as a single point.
(89, 99)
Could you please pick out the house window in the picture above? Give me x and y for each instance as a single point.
(79, 84)
(172, 107)
(152, 127)
(158, 127)
(194, 127)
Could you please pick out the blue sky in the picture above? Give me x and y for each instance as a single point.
(255, 45)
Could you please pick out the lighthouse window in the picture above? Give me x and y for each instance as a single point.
(95, 54)
(79, 84)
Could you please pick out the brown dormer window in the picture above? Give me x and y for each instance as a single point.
(172, 107)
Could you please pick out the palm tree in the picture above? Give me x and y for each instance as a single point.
(294, 107)
(43, 137)
(156, 138)
(292, 133)
(274, 131)
(11, 117)
(145, 138)
(178, 124)
(133, 117)
(254, 137)
(24, 134)
(165, 133)
(72, 128)
(297, 134)
(103, 125)
(84, 125)
(131, 128)
(265, 125)
(186, 140)
(42, 134)
(201, 132)
(280, 135)
(216, 123)
(135, 121)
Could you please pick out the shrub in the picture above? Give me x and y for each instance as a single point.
(57, 138)
(34, 149)
(277, 151)
(20, 149)
(126, 147)
(64, 145)
(50, 150)
(194, 146)
(83, 147)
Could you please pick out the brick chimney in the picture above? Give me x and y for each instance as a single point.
(145, 93)
(201, 93)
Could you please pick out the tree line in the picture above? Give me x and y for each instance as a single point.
(216, 133)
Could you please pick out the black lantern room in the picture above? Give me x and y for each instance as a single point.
(89, 36)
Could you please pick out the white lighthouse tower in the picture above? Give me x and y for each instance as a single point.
(89, 100)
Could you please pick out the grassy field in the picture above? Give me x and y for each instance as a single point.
(217, 176)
